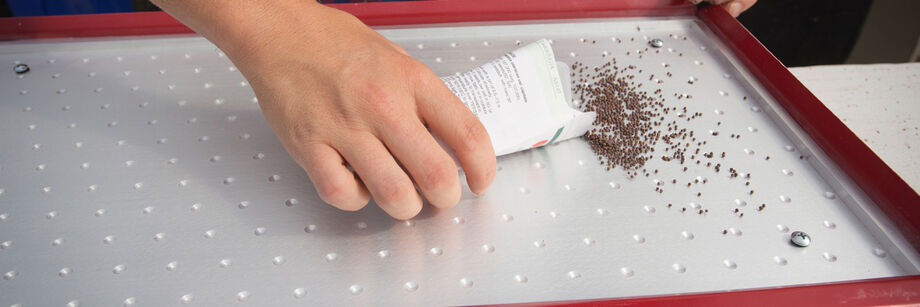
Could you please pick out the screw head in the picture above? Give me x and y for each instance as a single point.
(657, 43)
(800, 239)
(21, 68)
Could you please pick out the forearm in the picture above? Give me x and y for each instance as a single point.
(245, 29)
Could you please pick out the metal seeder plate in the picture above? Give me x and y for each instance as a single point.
(140, 171)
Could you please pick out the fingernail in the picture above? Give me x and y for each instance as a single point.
(734, 8)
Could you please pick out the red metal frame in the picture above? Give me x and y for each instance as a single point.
(892, 195)
(872, 292)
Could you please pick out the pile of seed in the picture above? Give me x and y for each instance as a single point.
(631, 122)
(624, 131)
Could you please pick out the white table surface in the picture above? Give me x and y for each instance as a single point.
(880, 103)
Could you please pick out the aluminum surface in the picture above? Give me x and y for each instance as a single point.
(141, 172)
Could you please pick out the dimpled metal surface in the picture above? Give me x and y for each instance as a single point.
(140, 172)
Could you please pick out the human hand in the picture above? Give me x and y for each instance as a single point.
(734, 7)
(335, 92)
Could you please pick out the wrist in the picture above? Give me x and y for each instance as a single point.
(246, 30)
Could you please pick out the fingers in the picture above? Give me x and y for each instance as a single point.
(334, 182)
(736, 7)
(433, 170)
(390, 186)
(456, 125)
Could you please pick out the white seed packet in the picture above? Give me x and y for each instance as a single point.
(523, 99)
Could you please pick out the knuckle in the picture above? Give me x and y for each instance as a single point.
(439, 176)
(422, 74)
(393, 192)
(338, 192)
(300, 132)
(473, 135)
(379, 100)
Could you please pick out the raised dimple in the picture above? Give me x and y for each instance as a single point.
(638, 238)
(780, 260)
(243, 296)
(627, 272)
(521, 279)
(679, 268)
(878, 252)
(735, 231)
(300, 292)
(573, 275)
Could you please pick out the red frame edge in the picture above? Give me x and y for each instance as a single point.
(878, 181)
(372, 14)
(115, 24)
(872, 292)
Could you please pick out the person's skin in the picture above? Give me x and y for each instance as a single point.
(338, 94)
(734, 7)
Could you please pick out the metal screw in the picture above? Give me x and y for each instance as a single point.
(800, 239)
(657, 43)
(21, 68)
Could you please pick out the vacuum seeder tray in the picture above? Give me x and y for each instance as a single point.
(140, 171)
